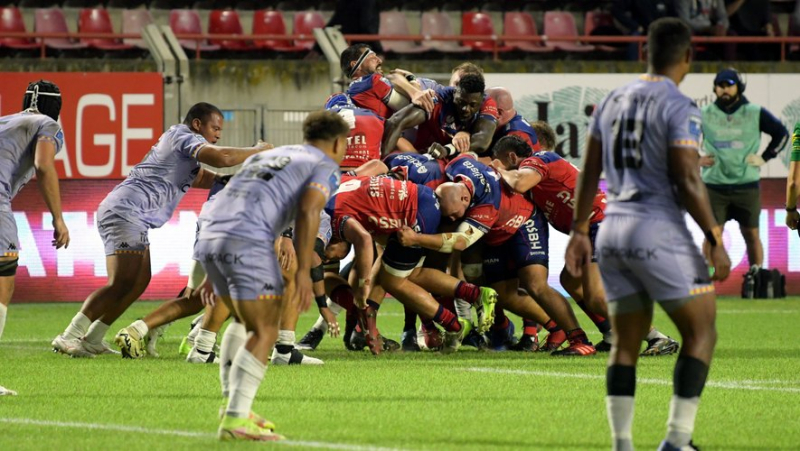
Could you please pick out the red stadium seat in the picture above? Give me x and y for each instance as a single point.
(187, 21)
(394, 23)
(226, 22)
(304, 23)
(134, 21)
(473, 23)
(11, 20)
(97, 20)
(522, 24)
(271, 22)
(51, 20)
(562, 24)
(438, 24)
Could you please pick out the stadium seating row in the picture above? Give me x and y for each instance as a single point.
(393, 23)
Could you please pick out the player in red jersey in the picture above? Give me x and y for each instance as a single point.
(372, 90)
(551, 182)
(366, 131)
(509, 122)
(461, 109)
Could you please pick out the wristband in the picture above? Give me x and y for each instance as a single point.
(450, 150)
(288, 233)
(322, 301)
(791, 209)
(411, 77)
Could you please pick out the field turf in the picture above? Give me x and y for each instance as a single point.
(468, 401)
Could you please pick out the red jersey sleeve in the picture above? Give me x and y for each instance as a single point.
(488, 109)
(482, 217)
(525, 137)
(538, 165)
(383, 88)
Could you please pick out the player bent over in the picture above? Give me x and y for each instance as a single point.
(236, 248)
(30, 140)
(645, 136)
(145, 200)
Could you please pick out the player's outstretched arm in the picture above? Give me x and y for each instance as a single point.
(225, 157)
(520, 180)
(579, 248)
(47, 177)
(464, 237)
(683, 172)
(305, 235)
(361, 240)
(482, 134)
(407, 117)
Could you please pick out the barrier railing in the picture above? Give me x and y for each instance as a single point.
(497, 40)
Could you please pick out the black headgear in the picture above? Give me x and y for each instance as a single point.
(44, 97)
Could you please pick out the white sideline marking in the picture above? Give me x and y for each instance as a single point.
(206, 435)
(744, 312)
(734, 385)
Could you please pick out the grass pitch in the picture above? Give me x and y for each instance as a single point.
(470, 400)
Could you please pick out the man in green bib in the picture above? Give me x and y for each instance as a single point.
(793, 182)
(732, 128)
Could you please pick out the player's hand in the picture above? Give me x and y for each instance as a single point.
(579, 253)
(402, 72)
(439, 151)
(207, 296)
(707, 161)
(330, 320)
(461, 141)
(287, 255)
(755, 160)
(348, 117)
(60, 234)
(261, 145)
(360, 294)
(720, 262)
(407, 236)
(792, 219)
(304, 291)
(424, 99)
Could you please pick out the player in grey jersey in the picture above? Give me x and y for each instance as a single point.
(645, 136)
(236, 246)
(29, 141)
(146, 200)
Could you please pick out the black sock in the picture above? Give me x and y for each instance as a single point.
(689, 377)
(620, 380)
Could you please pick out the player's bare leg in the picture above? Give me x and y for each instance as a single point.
(128, 277)
(534, 279)
(6, 291)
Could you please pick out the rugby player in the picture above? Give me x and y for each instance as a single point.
(644, 137)
(30, 140)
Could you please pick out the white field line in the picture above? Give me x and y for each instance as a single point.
(204, 435)
(752, 385)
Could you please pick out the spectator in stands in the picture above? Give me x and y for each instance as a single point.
(704, 17)
(752, 18)
(635, 16)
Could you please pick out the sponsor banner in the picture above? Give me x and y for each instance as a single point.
(71, 274)
(110, 120)
(47, 275)
(566, 102)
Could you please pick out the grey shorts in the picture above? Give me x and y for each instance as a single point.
(119, 235)
(241, 269)
(644, 260)
(9, 240)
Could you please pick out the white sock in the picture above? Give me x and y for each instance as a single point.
(285, 337)
(233, 339)
(620, 419)
(140, 327)
(78, 327)
(654, 333)
(246, 375)
(205, 340)
(321, 324)
(3, 312)
(335, 308)
(464, 309)
(680, 425)
(96, 333)
(193, 333)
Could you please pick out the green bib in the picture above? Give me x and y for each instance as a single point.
(731, 138)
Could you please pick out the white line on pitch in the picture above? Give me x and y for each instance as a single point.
(735, 385)
(205, 435)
